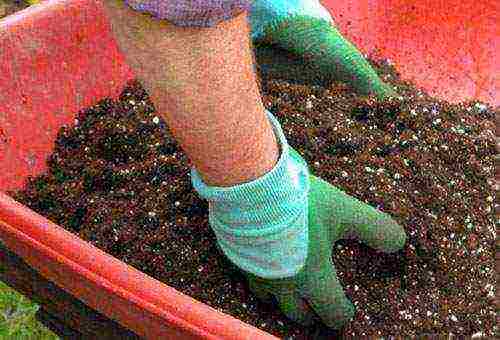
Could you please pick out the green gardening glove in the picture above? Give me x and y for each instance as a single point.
(305, 28)
(279, 230)
(333, 215)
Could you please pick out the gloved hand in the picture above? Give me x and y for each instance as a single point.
(279, 230)
(306, 28)
(333, 215)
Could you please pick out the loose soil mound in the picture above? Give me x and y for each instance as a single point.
(119, 180)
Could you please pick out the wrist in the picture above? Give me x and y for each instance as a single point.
(261, 225)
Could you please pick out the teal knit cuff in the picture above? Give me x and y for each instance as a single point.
(262, 225)
(264, 13)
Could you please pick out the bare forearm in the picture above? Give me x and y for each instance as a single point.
(201, 80)
(214, 108)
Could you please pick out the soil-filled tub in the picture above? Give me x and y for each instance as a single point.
(119, 180)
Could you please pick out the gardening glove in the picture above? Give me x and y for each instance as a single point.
(306, 28)
(279, 230)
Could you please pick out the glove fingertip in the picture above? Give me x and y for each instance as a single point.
(347, 314)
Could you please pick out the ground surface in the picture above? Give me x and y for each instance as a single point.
(8, 7)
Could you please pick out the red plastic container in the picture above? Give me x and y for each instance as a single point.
(59, 57)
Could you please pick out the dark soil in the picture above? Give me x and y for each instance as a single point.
(119, 180)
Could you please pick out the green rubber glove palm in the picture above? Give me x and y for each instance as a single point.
(333, 215)
(305, 28)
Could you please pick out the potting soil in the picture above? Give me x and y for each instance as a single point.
(119, 180)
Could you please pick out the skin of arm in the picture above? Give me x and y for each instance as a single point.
(202, 82)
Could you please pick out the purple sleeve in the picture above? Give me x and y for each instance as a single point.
(201, 13)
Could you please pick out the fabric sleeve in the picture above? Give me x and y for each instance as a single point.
(200, 13)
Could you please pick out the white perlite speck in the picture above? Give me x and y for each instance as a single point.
(481, 107)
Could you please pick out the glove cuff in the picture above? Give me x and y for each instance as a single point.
(266, 13)
(262, 225)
